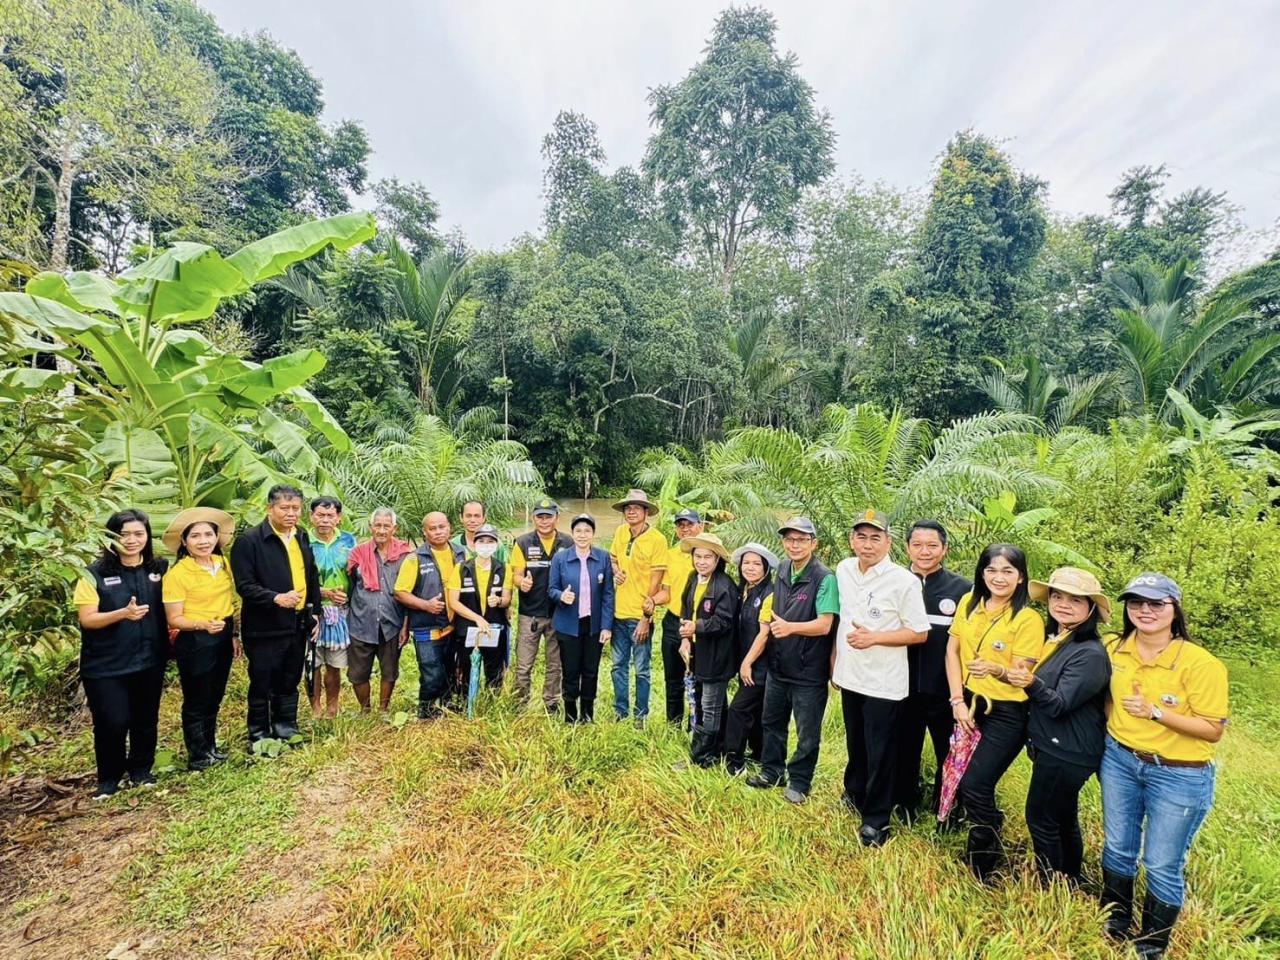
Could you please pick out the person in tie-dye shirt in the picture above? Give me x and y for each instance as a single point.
(331, 547)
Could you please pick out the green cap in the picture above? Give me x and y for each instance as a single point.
(872, 518)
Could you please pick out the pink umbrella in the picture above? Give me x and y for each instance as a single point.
(963, 743)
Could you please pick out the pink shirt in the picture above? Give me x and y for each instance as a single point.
(584, 587)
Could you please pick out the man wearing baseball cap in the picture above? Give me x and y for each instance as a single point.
(688, 523)
(806, 601)
(531, 572)
(881, 614)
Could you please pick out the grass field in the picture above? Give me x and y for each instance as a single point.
(512, 836)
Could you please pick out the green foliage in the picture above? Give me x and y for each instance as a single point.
(1036, 391)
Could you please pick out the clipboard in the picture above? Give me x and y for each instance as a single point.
(473, 633)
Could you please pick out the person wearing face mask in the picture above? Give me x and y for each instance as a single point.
(123, 649)
(581, 588)
(1067, 691)
(480, 592)
(756, 564)
(1168, 710)
(199, 601)
(708, 640)
(993, 632)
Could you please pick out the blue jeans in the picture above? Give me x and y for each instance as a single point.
(433, 674)
(1172, 800)
(625, 650)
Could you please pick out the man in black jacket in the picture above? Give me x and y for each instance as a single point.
(276, 577)
(926, 706)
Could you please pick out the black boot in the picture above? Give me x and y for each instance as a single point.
(702, 750)
(259, 721)
(586, 710)
(570, 710)
(1158, 919)
(211, 738)
(284, 716)
(198, 757)
(1117, 895)
(983, 853)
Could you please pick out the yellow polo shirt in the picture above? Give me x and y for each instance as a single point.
(999, 638)
(297, 570)
(699, 591)
(676, 576)
(637, 560)
(204, 594)
(1185, 679)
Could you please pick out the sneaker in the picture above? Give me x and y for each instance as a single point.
(108, 789)
(792, 795)
(761, 782)
(873, 837)
(143, 780)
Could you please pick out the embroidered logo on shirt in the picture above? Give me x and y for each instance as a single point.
(1169, 700)
(874, 613)
(154, 577)
(947, 605)
(706, 606)
(999, 644)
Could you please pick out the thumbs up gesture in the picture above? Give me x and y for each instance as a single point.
(526, 582)
(1136, 704)
(136, 610)
(567, 596)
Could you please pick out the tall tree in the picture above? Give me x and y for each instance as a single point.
(737, 139)
(106, 105)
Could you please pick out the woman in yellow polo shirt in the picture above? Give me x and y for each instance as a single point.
(1168, 708)
(994, 631)
(199, 600)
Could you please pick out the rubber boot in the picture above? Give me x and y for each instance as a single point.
(198, 757)
(1158, 919)
(570, 710)
(983, 853)
(284, 716)
(586, 709)
(211, 738)
(702, 750)
(259, 721)
(1117, 897)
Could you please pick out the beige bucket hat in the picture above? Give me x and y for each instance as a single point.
(1077, 582)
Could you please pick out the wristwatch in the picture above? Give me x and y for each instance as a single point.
(1156, 713)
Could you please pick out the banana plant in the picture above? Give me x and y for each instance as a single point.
(185, 422)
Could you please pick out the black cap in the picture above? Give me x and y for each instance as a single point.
(546, 507)
(688, 515)
(583, 518)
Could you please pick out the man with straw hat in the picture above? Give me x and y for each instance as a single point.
(639, 553)
(276, 577)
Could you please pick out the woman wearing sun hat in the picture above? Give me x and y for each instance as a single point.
(1168, 709)
(199, 601)
(708, 638)
(756, 564)
(1067, 690)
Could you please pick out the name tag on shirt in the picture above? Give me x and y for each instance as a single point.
(112, 581)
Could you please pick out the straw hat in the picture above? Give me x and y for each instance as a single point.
(708, 541)
(1077, 582)
(225, 523)
(638, 496)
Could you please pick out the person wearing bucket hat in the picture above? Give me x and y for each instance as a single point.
(279, 586)
(123, 650)
(1067, 691)
(581, 587)
(531, 560)
(806, 602)
(994, 631)
(679, 569)
(1168, 711)
(742, 729)
(199, 602)
(708, 620)
(881, 614)
(479, 590)
(639, 553)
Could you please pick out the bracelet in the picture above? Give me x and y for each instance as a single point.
(956, 701)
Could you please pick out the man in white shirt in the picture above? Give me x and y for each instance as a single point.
(881, 614)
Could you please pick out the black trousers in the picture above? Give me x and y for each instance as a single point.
(742, 726)
(921, 713)
(1004, 732)
(808, 703)
(870, 734)
(1053, 814)
(204, 663)
(672, 668)
(126, 711)
(275, 670)
(580, 671)
(493, 661)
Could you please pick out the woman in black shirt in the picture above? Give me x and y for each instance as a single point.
(1067, 690)
(123, 651)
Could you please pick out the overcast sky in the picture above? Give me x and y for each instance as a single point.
(458, 95)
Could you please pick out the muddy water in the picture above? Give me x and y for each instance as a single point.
(607, 519)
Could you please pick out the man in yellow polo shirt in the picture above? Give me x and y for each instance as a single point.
(420, 589)
(639, 555)
(276, 577)
(688, 523)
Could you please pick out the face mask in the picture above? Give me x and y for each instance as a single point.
(486, 549)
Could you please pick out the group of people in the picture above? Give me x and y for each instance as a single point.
(913, 651)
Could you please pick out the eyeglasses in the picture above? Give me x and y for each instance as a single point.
(796, 541)
(1155, 606)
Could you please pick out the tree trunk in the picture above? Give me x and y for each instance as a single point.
(62, 212)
